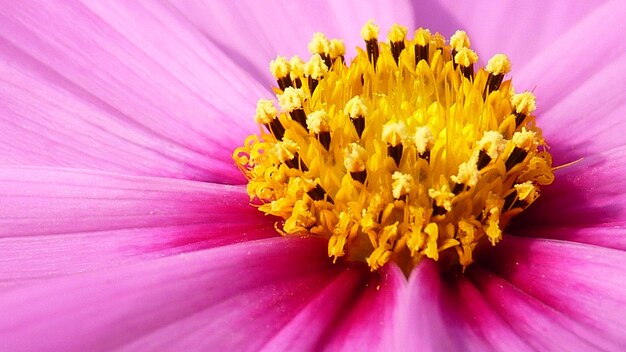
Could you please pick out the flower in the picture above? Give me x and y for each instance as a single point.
(124, 222)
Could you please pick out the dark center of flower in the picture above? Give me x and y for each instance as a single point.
(406, 153)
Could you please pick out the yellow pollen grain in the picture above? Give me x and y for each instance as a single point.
(291, 99)
(337, 48)
(492, 143)
(397, 33)
(524, 139)
(423, 139)
(524, 103)
(499, 64)
(297, 66)
(369, 31)
(317, 121)
(315, 67)
(422, 37)
(354, 157)
(279, 67)
(394, 133)
(356, 107)
(265, 111)
(329, 182)
(286, 150)
(459, 40)
(401, 184)
(465, 57)
(319, 44)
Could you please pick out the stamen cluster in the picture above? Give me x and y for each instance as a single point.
(407, 152)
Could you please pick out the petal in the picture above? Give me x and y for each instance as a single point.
(520, 30)
(249, 32)
(222, 298)
(531, 319)
(585, 283)
(609, 236)
(60, 221)
(136, 64)
(585, 194)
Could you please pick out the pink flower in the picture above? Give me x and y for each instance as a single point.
(124, 223)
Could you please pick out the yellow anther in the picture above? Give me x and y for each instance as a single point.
(356, 108)
(423, 139)
(524, 103)
(369, 31)
(315, 68)
(286, 150)
(317, 121)
(337, 48)
(319, 44)
(526, 190)
(397, 33)
(401, 184)
(291, 99)
(354, 157)
(468, 173)
(465, 57)
(279, 67)
(459, 40)
(297, 67)
(442, 196)
(265, 111)
(422, 37)
(499, 64)
(394, 133)
(467, 152)
(492, 143)
(524, 139)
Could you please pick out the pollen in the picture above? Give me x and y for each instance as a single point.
(408, 151)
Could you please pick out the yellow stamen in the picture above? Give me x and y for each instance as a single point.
(468, 154)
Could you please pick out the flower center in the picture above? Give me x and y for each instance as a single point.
(406, 153)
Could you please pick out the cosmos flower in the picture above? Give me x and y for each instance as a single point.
(125, 224)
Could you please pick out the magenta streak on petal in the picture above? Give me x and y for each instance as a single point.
(110, 309)
(584, 282)
(197, 99)
(60, 221)
(544, 328)
(608, 236)
(586, 194)
(370, 325)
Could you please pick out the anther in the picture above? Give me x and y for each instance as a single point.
(490, 146)
(297, 71)
(291, 101)
(356, 110)
(393, 134)
(401, 184)
(465, 58)
(320, 45)
(317, 123)
(267, 115)
(497, 67)
(458, 41)
(337, 50)
(287, 153)
(424, 141)
(396, 36)
(523, 142)
(354, 158)
(422, 38)
(369, 32)
(319, 193)
(523, 106)
(315, 70)
(280, 69)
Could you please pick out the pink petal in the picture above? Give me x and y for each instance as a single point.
(254, 32)
(164, 88)
(58, 221)
(530, 319)
(223, 299)
(583, 282)
(520, 30)
(355, 312)
(588, 193)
